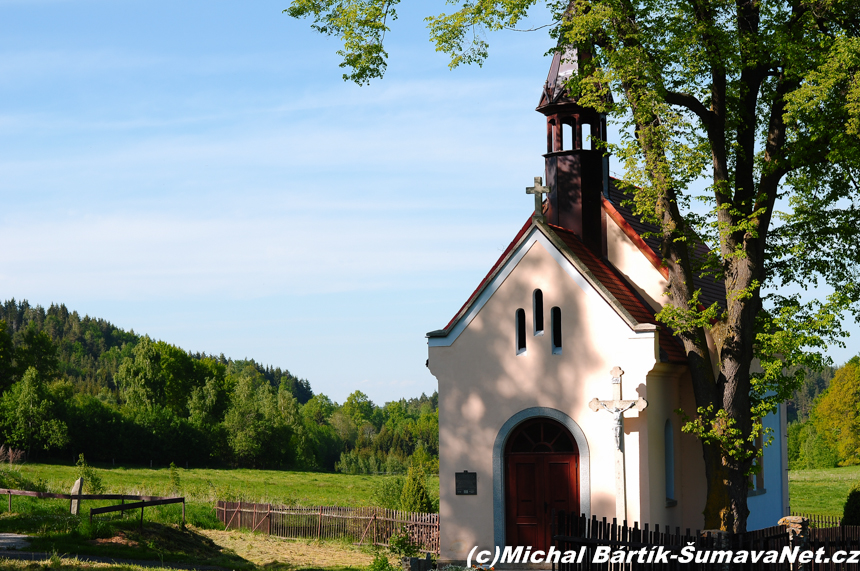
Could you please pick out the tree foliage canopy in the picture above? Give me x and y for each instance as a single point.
(760, 99)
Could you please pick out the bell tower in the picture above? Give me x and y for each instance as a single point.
(576, 176)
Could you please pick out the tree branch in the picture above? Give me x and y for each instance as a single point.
(690, 102)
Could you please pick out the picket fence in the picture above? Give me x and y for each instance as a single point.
(367, 525)
(578, 533)
(821, 520)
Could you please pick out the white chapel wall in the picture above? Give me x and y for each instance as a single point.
(483, 382)
(639, 271)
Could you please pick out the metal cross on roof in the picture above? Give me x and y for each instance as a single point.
(538, 190)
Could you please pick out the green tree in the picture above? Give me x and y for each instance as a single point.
(37, 350)
(359, 408)
(28, 419)
(836, 416)
(414, 497)
(318, 409)
(760, 98)
(7, 358)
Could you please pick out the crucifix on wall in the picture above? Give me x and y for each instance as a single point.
(617, 407)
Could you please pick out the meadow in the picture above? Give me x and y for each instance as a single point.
(822, 491)
(54, 530)
(207, 485)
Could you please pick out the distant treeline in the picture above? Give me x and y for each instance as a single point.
(73, 384)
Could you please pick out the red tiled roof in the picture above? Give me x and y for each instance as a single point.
(621, 290)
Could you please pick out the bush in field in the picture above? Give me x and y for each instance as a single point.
(851, 513)
(387, 492)
(414, 497)
(92, 481)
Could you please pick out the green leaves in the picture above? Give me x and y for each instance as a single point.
(361, 27)
(462, 34)
(29, 417)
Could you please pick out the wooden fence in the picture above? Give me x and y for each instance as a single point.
(584, 537)
(362, 525)
(821, 520)
(143, 501)
(579, 534)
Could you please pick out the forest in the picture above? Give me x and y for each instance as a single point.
(825, 432)
(80, 385)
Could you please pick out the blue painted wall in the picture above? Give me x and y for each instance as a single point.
(766, 509)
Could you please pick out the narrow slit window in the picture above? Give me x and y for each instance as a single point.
(555, 315)
(586, 136)
(669, 459)
(538, 312)
(521, 331)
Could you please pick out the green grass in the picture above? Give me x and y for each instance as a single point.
(56, 531)
(821, 492)
(264, 486)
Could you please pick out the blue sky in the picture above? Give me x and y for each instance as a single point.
(198, 171)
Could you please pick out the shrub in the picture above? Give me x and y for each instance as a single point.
(387, 492)
(851, 513)
(381, 563)
(92, 481)
(414, 497)
(401, 544)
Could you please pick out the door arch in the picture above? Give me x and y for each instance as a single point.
(541, 462)
(499, 464)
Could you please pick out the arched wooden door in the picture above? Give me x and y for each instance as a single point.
(541, 475)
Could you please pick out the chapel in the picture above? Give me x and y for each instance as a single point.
(557, 386)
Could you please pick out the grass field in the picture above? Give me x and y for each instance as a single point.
(54, 530)
(821, 492)
(264, 486)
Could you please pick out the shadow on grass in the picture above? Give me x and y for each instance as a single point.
(54, 530)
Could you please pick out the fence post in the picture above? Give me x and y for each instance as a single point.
(183, 513)
(798, 533)
(319, 525)
(10, 502)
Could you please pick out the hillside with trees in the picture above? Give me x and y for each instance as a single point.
(829, 434)
(73, 385)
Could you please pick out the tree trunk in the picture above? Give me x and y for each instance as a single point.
(726, 504)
